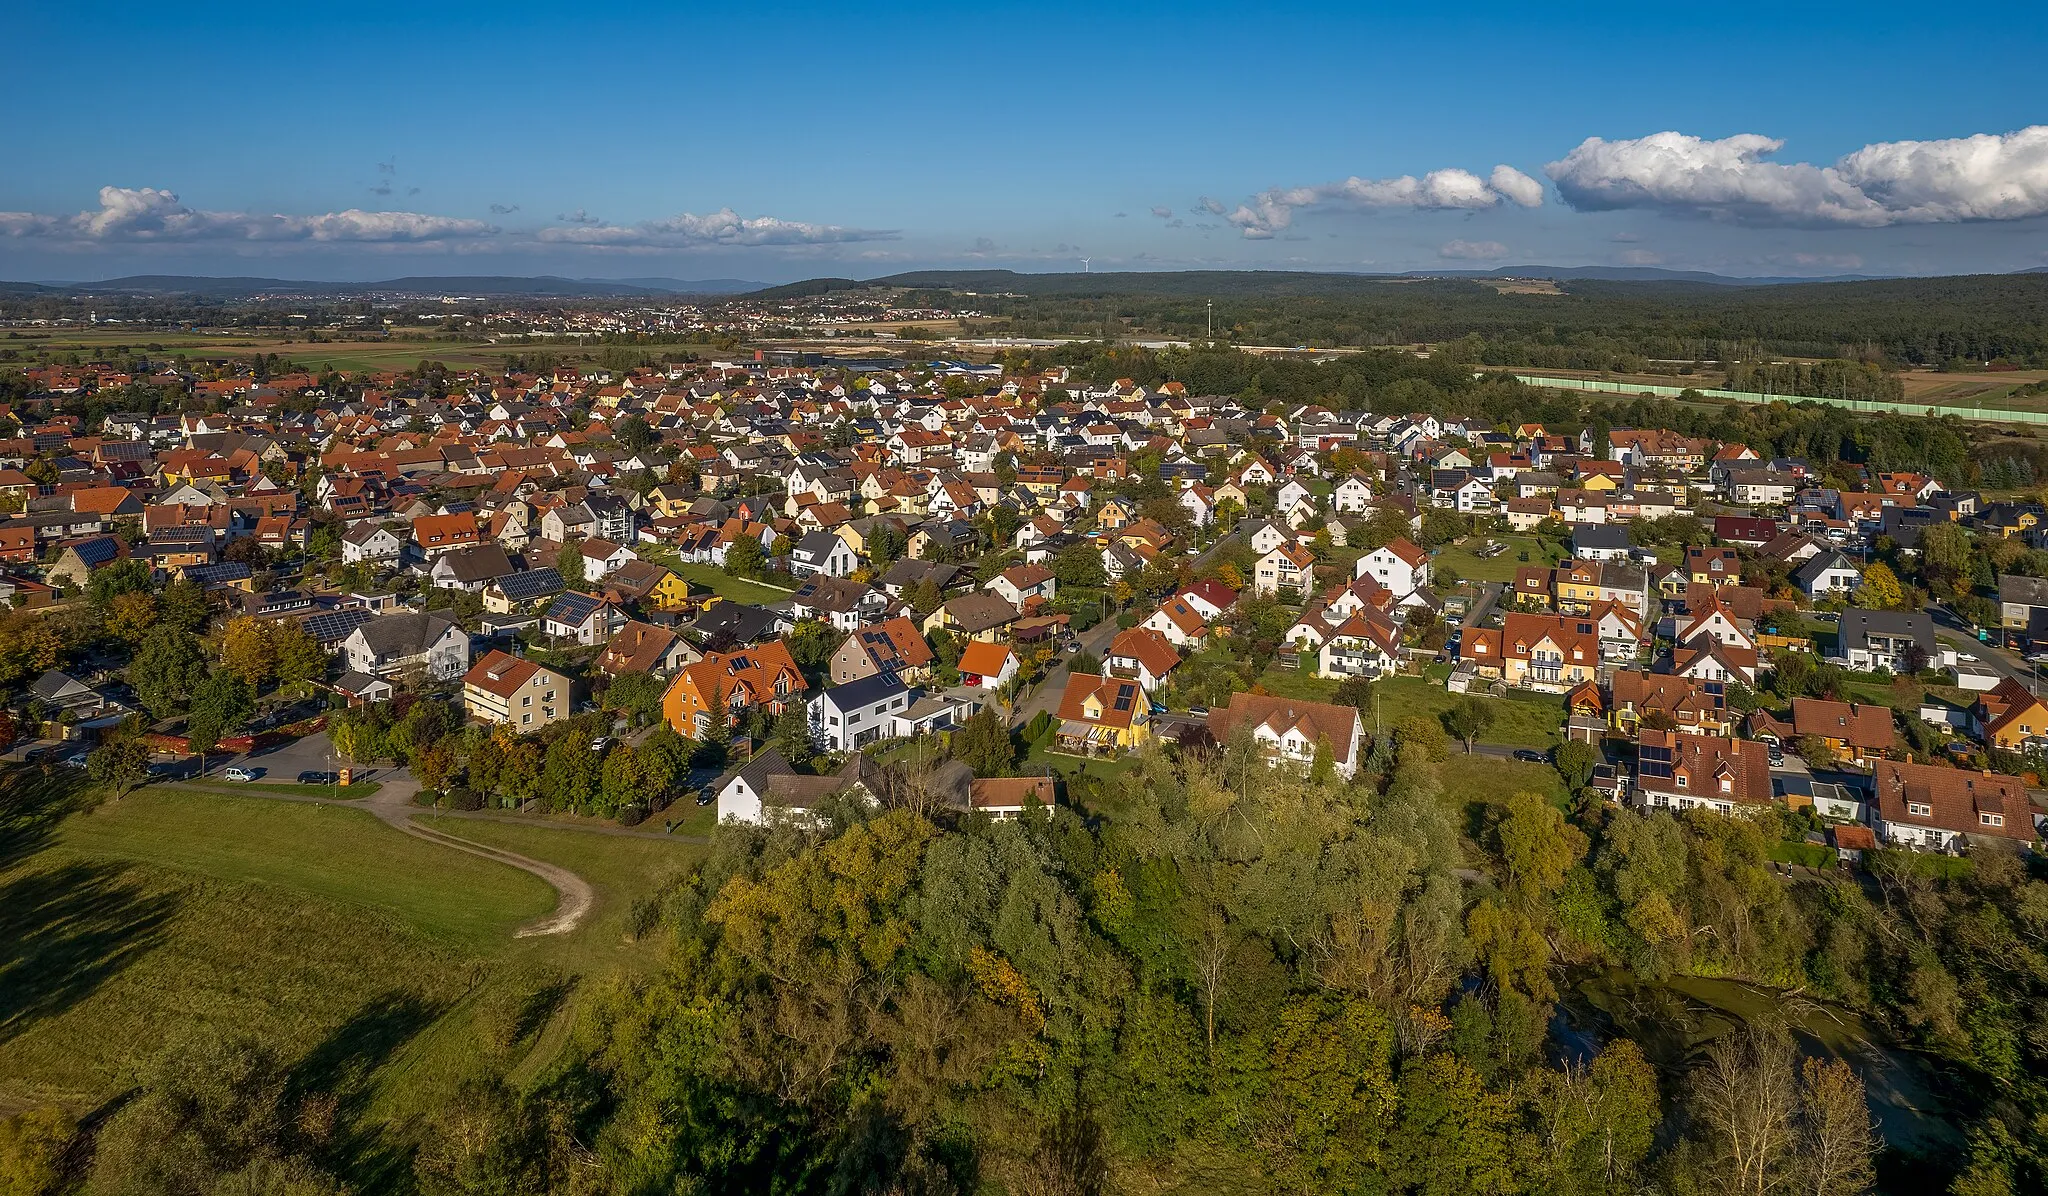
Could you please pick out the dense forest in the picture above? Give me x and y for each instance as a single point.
(1217, 977)
(1592, 323)
(1396, 382)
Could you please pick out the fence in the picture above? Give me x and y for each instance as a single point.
(1751, 396)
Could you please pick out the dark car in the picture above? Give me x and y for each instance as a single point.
(316, 777)
(1531, 756)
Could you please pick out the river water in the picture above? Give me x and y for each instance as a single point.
(1674, 1019)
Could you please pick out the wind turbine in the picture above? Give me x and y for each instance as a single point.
(1084, 265)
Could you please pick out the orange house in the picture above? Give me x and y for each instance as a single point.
(761, 676)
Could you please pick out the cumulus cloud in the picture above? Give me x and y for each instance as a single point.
(140, 214)
(1472, 251)
(1440, 190)
(1983, 177)
(723, 227)
(1163, 212)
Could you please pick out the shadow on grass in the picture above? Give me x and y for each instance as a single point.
(67, 930)
(33, 800)
(339, 1075)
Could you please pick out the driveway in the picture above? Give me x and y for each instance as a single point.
(1046, 696)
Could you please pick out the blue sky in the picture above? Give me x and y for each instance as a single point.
(776, 142)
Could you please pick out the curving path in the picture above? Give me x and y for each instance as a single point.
(392, 805)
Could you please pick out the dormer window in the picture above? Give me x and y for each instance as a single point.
(1919, 809)
(1991, 819)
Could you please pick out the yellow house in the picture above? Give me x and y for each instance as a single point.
(1598, 482)
(1102, 714)
(670, 593)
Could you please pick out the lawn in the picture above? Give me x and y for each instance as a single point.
(317, 931)
(378, 965)
(1471, 779)
(1521, 720)
(719, 582)
(1462, 558)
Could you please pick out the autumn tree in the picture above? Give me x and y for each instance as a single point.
(1880, 589)
(983, 744)
(247, 651)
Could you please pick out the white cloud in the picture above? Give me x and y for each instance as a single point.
(148, 214)
(723, 227)
(1983, 177)
(1440, 190)
(1518, 187)
(1641, 257)
(1473, 251)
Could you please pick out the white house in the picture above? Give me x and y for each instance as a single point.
(1827, 573)
(391, 644)
(1352, 496)
(370, 542)
(850, 716)
(1401, 566)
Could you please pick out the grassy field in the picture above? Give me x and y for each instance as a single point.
(712, 578)
(381, 966)
(1463, 558)
(1476, 778)
(1523, 720)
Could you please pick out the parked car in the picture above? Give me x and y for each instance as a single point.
(1777, 756)
(77, 761)
(238, 774)
(314, 776)
(1530, 756)
(600, 743)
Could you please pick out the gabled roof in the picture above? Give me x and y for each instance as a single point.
(1317, 721)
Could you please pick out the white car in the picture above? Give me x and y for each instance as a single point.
(238, 774)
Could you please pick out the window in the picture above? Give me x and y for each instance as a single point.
(525, 718)
(1991, 819)
(1919, 809)
(526, 700)
(1680, 778)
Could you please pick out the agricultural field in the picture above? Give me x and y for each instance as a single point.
(345, 355)
(378, 965)
(1990, 388)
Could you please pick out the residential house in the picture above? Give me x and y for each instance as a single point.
(1940, 808)
(986, 665)
(848, 717)
(585, 618)
(514, 692)
(1547, 652)
(1898, 640)
(1400, 565)
(1103, 714)
(1678, 770)
(521, 591)
(2010, 716)
(390, 645)
(1851, 732)
(1289, 569)
(763, 676)
(1023, 586)
(370, 542)
(891, 646)
(644, 648)
(1827, 573)
(1143, 654)
(1293, 731)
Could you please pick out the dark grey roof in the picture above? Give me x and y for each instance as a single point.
(867, 691)
(332, 627)
(1859, 624)
(530, 584)
(573, 607)
(96, 550)
(2026, 591)
(214, 575)
(406, 634)
(483, 562)
(1599, 535)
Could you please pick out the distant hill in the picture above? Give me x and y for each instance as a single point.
(545, 287)
(1263, 283)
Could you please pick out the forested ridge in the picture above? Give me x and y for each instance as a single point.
(1592, 324)
(1218, 977)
